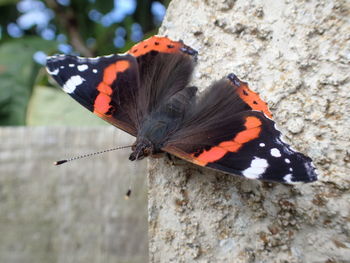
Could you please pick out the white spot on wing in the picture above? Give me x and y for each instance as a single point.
(257, 168)
(71, 65)
(310, 168)
(53, 72)
(267, 116)
(292, 149)
(262, 144)
(275, 152)
(95, 70)
(93, 59)
(282, 139)
(287, 160)
(62, 67)
(288, 178)
(72, 83)
(291, 169)
(82, 67)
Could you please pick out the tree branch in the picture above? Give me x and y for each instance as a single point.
(69, 22)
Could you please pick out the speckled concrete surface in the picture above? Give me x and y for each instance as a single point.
(296, 54)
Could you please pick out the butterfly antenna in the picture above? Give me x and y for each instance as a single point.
(89, 154)
(128, 193)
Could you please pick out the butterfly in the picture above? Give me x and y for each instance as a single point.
(146, 93)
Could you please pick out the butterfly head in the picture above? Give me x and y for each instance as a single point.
(141, 149)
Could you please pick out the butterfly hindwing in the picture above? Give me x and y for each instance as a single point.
(165, 68)
(226, 133)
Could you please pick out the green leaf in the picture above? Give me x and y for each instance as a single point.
(104, 6)
(6, 2)
(17, 76)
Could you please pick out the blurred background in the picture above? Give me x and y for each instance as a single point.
(74, 212)
(32, 29)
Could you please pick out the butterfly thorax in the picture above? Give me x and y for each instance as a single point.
(153, 134)
(160, 124)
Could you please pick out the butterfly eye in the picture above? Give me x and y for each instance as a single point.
(147, 151)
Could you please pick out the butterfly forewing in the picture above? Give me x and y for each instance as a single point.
(107, 86)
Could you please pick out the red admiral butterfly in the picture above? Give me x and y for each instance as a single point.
(146, 93)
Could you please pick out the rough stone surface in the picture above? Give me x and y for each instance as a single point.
(75, 212)
(296, 54)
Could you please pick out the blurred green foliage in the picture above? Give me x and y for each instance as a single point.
(82, 27)
(18, 73)
(4, 2)
(63, 110)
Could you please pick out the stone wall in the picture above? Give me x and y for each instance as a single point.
(296, 54)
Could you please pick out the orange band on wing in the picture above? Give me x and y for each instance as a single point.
(230, 146)
(102, 103)
(109, 74)
(252, 122)
(160, 44)
(247, 135)
(104, 88)
(253, 99)
(252, 130)
(103, 99)
(215, 153)
(249, 97)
